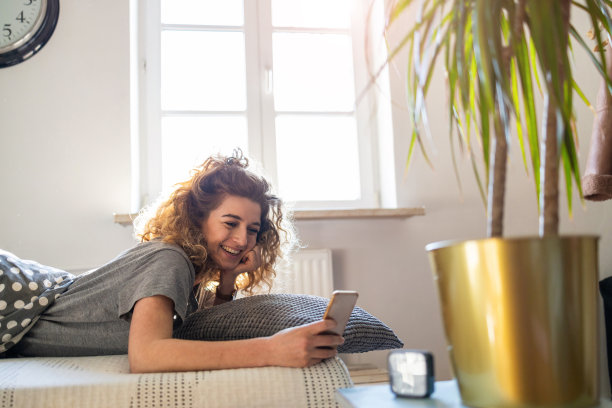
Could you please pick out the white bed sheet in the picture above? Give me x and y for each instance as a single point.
(105, 381)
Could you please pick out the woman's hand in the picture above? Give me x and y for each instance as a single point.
(305, 345)
(227, 278)
(249, 262)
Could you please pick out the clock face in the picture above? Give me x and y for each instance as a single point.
(19, 21)
(25, 27)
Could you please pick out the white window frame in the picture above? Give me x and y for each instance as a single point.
(146, 107)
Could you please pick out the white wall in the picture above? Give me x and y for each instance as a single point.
(64, 140)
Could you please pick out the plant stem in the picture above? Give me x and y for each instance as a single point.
(497, 181)
(549, 217)
(499, 148)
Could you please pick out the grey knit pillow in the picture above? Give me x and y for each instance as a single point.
(264, 315)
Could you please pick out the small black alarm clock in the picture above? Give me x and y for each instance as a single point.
(411, 373)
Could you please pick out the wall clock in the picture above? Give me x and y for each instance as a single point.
(25, 27)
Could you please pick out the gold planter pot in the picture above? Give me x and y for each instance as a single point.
(520, 317)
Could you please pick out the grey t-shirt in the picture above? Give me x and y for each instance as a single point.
(93, 316)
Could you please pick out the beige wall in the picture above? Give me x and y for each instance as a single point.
(64, 140)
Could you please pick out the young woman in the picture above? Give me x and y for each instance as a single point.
(221, 226)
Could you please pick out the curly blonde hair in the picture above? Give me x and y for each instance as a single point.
(178, 219)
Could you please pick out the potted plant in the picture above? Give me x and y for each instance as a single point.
(520, 314)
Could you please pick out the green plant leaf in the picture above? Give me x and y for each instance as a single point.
(497, 54)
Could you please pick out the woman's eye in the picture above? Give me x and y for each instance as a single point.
(230, 224)
(253, 231)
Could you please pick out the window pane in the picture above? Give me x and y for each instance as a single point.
(311, 13)
(188, 141)
(206, 12)
(313, 72)
(317, 158)
(203, 71)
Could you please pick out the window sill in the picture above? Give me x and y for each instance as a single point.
(358, 213)
(307, 215)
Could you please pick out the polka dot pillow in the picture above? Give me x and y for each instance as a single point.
(27, 289)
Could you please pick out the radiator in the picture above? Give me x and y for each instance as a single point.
(308, 272)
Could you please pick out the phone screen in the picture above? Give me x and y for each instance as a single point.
(340, 308)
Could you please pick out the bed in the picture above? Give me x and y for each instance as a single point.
(105, 381)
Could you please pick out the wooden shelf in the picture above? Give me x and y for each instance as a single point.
(127, 219)
(124, 219)
(359, 213)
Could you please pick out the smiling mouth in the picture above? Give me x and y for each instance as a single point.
(230, 250)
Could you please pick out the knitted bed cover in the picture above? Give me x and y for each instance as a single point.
(27, 289)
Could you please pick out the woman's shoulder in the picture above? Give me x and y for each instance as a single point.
(157, 248)
(150, 251)
(144, 257)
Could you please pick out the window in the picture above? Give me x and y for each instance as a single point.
(277, 78)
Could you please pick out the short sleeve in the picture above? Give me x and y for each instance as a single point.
(165, 272)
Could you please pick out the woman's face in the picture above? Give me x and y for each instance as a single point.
(231, 230)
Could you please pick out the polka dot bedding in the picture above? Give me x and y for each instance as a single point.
(27, 289)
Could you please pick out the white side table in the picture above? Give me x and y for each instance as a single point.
(446, 395)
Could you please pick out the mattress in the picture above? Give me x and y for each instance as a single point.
(105, 381)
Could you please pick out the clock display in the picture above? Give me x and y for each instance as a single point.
(411, 373)
(19, 21)
(25, 27)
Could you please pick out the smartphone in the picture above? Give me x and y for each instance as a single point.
(339, 309)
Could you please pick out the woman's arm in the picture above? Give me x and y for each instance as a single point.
(151, 347)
